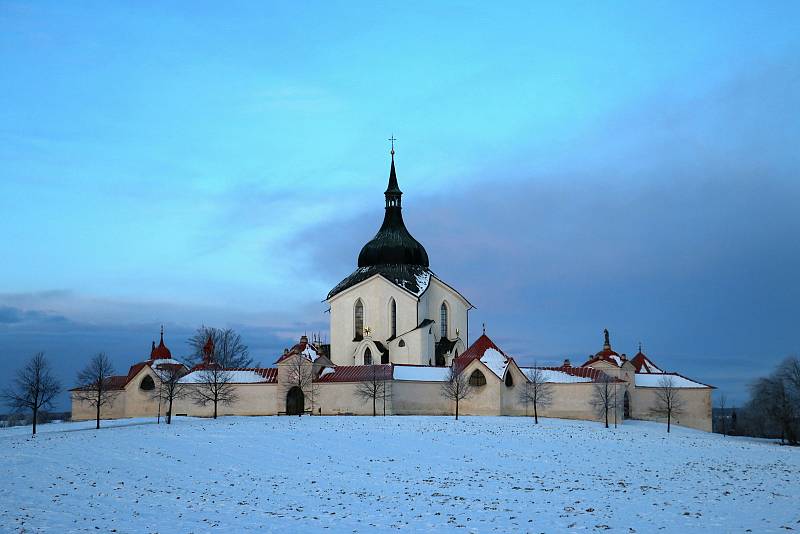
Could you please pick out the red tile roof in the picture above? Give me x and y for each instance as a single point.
(476, 351)
(298, 349)
(644, 364)
(357, 373)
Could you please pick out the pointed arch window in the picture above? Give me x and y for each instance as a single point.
(477, 378)
(393, 318)
(367, 357)
(147, 384)
(443, 320)
(509, 380)
(358, 315)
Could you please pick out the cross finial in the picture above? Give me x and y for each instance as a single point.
(162, 329)
(484, 328)
(392, 140)
(640, 346)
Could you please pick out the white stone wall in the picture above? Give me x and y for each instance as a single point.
(375, 294)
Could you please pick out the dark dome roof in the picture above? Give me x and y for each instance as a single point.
(393, 244)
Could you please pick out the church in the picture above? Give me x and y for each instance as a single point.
(395, 321)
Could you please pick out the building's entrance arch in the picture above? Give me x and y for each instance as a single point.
(626, 405)
(295, 401)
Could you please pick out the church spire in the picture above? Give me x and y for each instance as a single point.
(392, 192)
(607, 343)
(393, 245)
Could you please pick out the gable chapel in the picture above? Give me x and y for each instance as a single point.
(397, 329)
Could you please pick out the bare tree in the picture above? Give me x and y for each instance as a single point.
(213, 385)
(229, 349)
(603, 397)
(169, 387)
(536, 391)
(34, 388)
(373, 387)
(774, 397)
(456, 387)
(722, 404)
(300, 373)
(668, 400)
(94, 384)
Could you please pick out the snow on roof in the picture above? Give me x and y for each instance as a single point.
(495, 361)
(560, 377)
(654, 380)
(423, 279)
(421, 373)
(644, 364)
(566, 374)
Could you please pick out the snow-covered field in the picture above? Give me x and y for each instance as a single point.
(350, 474)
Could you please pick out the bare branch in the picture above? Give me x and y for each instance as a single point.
(95, 384)
(457, 387)
(537, 392)
(33, 388)
(668, 400)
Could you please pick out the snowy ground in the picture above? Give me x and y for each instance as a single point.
(350, 474)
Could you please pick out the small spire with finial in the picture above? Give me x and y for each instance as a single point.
(392, 139)
(484, 328)
(640, 347)
(607, 342)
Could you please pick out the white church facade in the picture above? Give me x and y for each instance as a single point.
(394, 319)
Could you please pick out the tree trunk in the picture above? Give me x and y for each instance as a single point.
(456, 409)
(97, 426)
(169, 412)
(535, 414)
(669, 420)
(606, 417)
(215, 408)
(374, 400)
(35, 416)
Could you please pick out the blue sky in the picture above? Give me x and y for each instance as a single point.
(570, 167)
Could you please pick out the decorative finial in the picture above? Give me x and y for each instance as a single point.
(458, 332)
(640, 347)
(607, 343)
(392, 139)
(484, 328)
(367, 331)
(162, 334)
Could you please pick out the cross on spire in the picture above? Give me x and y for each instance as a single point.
(392, 139)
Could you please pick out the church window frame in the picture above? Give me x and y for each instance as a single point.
(444, 319)
(367, 356)
(358, 320)
(147, 383)
(509, 380)
(392, 318)
(477, 378)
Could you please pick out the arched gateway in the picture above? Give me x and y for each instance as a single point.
(295, 401)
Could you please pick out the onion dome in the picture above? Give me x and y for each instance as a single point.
(160, 352)
(393, 244)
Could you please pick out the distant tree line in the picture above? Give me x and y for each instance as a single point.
(773, 410)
